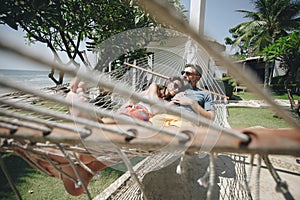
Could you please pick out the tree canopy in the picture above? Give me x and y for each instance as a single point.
(287, 50)
(75, 26)
(271, 20)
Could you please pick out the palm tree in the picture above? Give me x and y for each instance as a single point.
(271, 20)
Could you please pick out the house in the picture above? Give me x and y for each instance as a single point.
(265, 71)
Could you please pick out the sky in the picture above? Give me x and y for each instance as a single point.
(220, 16)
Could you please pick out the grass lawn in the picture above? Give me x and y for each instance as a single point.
(247, 117)
(35, 185)
(250, 96)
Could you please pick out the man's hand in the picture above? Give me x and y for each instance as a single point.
(182, 99)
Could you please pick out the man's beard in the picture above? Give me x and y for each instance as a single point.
(187, 84)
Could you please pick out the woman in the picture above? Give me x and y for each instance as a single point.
(143, 111)
(136, 110)
(77, 93)
(66, 171)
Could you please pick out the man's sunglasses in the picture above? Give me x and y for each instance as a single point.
(187, 73)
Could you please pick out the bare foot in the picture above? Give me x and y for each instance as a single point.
(77, 95)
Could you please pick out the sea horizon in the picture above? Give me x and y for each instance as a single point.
(36, 79)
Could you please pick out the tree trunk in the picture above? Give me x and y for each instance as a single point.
(295, 107)
(271, 73)
(52, 73)
(266, 78)
(51, 76)
(61, 77)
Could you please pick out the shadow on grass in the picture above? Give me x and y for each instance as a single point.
(17, 168)
(235, 98)
(28, 179)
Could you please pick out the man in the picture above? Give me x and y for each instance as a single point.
(193, 99)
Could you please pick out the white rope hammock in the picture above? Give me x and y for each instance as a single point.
(44, 124)
(50, 127)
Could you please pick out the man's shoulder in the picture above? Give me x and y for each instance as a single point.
(201, 93)
(196, 92)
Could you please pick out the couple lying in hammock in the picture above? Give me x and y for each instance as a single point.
(136, 110)
(182, 92)
(172, 92)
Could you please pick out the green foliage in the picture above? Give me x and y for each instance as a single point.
(238, 56)
(229, 83)
(271, 20)
(281, 89)
(229, 80)
(287, 50)
(65, 26)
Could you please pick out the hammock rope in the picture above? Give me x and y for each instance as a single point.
(75, 169)
(88, 108)
(132, 172)
(30, 161)
(164, 13)
(20, 123)
(257, 176)
(8, 177)
(45, 122)
(281, 186)
(83, 165)
(113, 86)
(212, 176)
(166, 77)
(58, 115)
(57, 167)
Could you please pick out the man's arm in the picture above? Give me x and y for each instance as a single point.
(209, 114)
(182, 99)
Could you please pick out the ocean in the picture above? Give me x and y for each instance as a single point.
(31, 78)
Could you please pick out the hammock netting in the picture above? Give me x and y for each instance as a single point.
(36, 125)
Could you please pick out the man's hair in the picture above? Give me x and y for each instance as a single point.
(196, 67)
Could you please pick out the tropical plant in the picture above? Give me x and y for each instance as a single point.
(287, 51)
(74, 26)
(271, 20)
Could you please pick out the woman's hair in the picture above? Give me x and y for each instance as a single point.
(172, 79)
(184, 86)
(168, 81)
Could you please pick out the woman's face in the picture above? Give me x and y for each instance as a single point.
(173, 88)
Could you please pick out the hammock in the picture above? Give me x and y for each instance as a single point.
(47, 125)
(37, 127)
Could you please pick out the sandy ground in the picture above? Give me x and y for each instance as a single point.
(258, 103)
(287, 169)
(286, 166)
